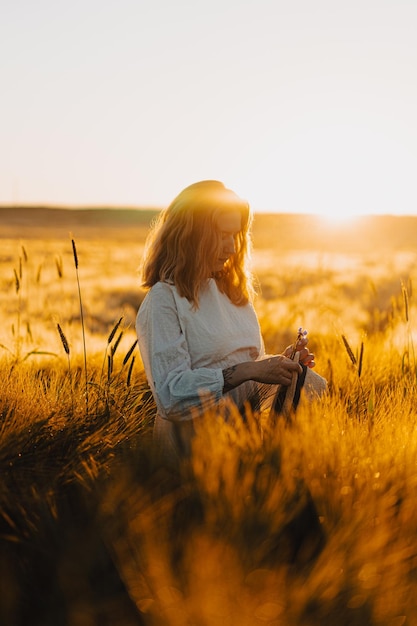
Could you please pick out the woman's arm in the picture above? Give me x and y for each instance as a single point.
(275, 370)
(166, 358)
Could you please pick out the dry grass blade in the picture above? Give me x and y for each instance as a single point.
(129, 352)
(17, 281)
(109, 366)
(360, 361)
(129, 373)
(405, 299)
(116, 344)
(63, 339)
(39, 274)
(74, 251)
(59, 266)
(114, 330)
(349, 350)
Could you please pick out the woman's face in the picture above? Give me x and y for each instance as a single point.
(229, 224)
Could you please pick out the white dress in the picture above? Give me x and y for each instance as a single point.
(184, 350)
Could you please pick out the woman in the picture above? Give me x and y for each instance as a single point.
(198, 332)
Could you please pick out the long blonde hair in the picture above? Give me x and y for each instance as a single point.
(184, 240)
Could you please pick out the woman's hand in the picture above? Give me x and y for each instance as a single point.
(306, 357)
(273, 370)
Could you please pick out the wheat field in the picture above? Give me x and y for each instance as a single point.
(311, 524)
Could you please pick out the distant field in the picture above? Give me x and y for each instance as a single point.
(56, 223)
(311, 271)
(280, 232)
(329, 277)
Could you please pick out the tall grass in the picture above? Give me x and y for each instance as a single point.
(308, 525)
(74, 249)
(19, 337)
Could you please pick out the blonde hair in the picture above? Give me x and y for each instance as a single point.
(184, 240)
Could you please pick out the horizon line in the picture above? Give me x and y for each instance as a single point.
(128, 207)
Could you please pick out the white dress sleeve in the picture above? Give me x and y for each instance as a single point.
(166, 358)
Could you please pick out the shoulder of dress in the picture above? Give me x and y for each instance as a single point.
(161, 292)
(162, 287)
(159, 297)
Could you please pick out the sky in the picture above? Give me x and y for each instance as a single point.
(306, 106)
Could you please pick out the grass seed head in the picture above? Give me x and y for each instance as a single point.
(63, 339)
(74, 251)
(129, 352)
(349, 350)
(360, 361)
(59, 266)
(116, 343)
(39, 274)
(405, 298)
(113, 332)
(109, 366)
(17, 281)
(129, 374)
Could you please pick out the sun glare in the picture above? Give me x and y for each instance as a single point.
(338, 217)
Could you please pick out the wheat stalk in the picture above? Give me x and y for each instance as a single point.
(39, 274)
(349, 350)
(59, 266)
(405, 299)
(109, 367)
(18, 283)
(116, 344)
(129, 373)
(358, 365)
(63, 339)
(66, 347)
(114, 330)
(129, 352)
(360, 361)
(25, 256)
(74, 250)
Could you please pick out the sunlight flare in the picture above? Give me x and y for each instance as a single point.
(338, 216)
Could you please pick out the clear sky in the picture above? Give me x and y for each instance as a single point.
(298, 105)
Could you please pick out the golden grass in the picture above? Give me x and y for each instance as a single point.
(89, 534)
